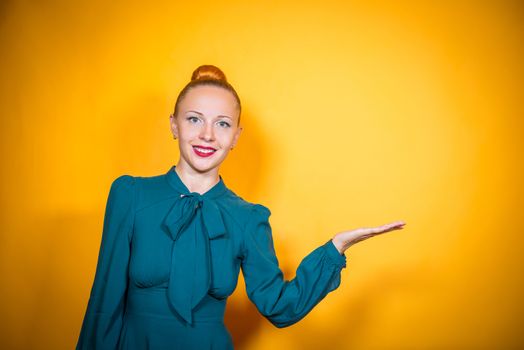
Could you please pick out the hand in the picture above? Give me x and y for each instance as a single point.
(343, 240)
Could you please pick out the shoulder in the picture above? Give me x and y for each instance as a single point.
(259, 212)
(146, 190)
(123, 184)
(247, 207)
(122, 189)
(246, 211)
(123, 181)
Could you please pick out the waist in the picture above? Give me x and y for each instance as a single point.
(154, 302)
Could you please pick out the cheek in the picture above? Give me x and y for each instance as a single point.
(188, 132)
(225, 137)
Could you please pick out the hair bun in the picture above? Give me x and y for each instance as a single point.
(208, 72)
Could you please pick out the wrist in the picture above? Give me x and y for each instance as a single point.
(339, 245)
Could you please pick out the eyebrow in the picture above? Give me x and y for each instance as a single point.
(223, 116)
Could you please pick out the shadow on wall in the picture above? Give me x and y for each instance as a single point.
(58, 254)
(354, 313)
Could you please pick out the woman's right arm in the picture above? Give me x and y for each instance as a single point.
(105, 310)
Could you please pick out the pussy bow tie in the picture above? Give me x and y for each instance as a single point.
(190, 276)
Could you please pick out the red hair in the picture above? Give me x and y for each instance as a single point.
(207, 75)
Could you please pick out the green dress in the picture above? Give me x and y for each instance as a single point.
(169, 259)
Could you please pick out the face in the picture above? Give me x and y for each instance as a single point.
(206, 127)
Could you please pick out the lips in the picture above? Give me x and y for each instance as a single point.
(204, 151)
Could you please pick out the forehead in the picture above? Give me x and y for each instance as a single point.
(210, 100)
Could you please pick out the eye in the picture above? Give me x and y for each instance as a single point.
(192, 119)
(224, 124)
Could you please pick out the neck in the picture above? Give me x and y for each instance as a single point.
(197, 181)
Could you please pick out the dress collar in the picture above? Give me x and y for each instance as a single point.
(176, 182)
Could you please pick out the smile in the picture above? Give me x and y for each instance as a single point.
(203, 152)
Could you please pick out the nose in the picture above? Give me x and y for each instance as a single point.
(207, 132)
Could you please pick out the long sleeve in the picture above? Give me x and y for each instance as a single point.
(281, 301)
(104, 314)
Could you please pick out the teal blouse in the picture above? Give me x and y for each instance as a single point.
(169, 259)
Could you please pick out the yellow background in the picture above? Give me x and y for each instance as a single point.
(355, 114)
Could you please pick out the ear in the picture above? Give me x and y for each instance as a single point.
(174, 126)
(237, 135)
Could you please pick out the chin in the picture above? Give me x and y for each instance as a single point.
(204, 165)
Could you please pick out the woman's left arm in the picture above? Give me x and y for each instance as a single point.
(285, 302)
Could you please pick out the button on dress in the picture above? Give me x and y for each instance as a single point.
(169, 258)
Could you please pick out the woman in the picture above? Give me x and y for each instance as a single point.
(173, 244)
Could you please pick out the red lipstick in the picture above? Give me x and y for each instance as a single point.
(204, 151)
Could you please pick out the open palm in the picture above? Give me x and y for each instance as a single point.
(343, 240)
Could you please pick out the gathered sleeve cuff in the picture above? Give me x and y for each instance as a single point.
(281, 301)
(104, 313)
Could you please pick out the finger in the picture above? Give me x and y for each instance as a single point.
(375, 231)
(395, 228)
(395, 224)
(384, 229)
(381, 229)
